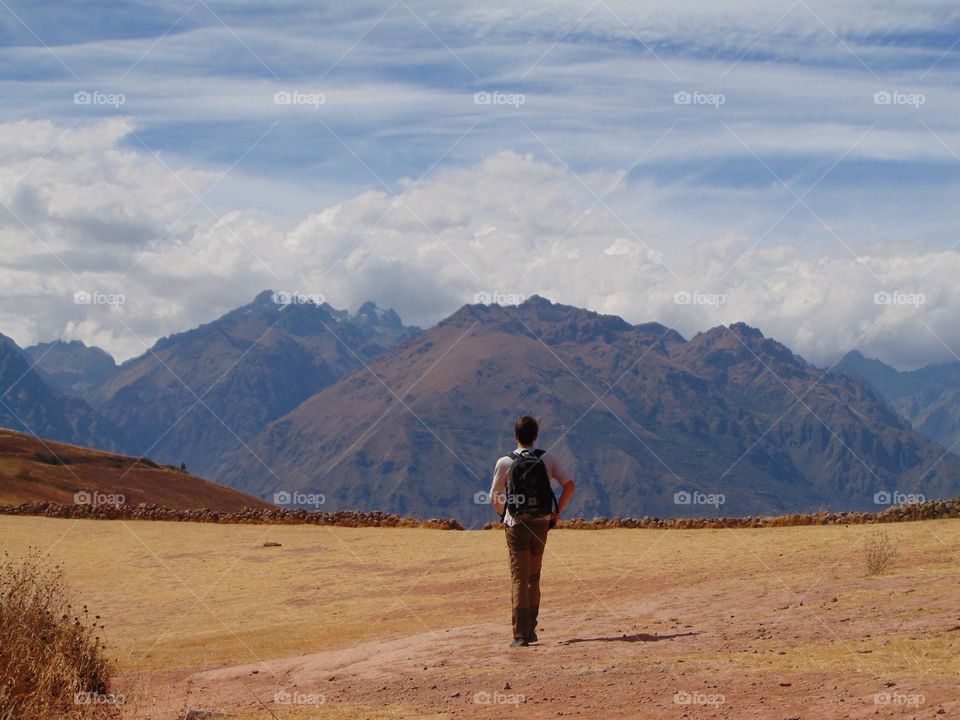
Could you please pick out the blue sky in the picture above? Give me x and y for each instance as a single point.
(785, 185)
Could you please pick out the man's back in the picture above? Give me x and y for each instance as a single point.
(501, 475)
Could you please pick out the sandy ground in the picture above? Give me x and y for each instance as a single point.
(343, 623)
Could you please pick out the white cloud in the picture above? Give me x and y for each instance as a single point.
(76, 189)
(509, 224)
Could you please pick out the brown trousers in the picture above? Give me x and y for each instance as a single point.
(526, 542)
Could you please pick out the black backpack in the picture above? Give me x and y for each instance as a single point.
(528, 485)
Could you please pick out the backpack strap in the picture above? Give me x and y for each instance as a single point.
(513, 455)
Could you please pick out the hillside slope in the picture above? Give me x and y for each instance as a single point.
(45, 470)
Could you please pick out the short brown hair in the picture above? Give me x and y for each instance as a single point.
(526, 429)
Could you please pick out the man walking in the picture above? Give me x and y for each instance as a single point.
(523, 497)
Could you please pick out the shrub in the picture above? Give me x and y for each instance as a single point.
(52, 663)
(879, 551)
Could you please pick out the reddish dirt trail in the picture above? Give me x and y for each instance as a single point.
(677, 655)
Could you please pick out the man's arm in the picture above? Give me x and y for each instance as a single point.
(497, 501)
(498, 488)
(568, 489)
(559, 473)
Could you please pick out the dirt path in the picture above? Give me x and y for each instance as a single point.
(752, 654)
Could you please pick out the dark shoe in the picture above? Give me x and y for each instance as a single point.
(532, 638)
(519, 642)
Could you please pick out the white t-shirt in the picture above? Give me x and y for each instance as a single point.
(558, 476)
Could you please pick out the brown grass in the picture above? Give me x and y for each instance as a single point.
(768, 605)
(52, 663)
(34, 470)
(878, 552)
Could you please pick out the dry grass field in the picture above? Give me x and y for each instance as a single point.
(33, 470)
(388, 623)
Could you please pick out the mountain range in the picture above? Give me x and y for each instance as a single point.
(72, 366)
(929, 398)
(729, 422)
(195, 396)
(367, 413)
(30, 404)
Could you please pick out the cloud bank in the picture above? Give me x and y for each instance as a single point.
(84, 213)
